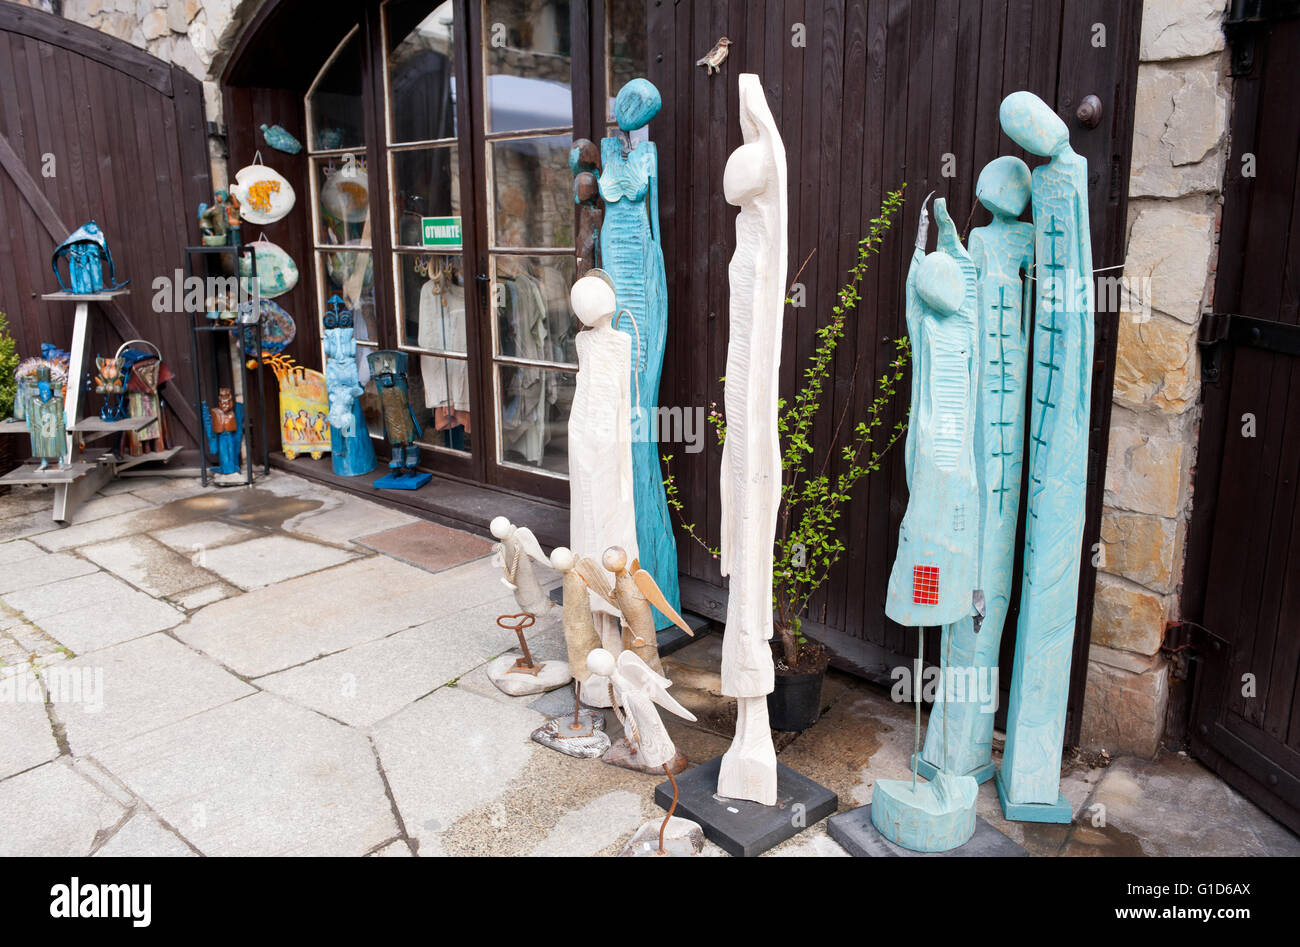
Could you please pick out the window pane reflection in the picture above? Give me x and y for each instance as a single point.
(534, 417)
(533, 316)
(421, 69)
(527, 63)
(337, 116)
(533, 192)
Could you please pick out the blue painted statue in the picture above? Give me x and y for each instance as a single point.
(630, 252)
(935, 576)
(351, 452)
(964, 706)
(86, 254)
(46, 421)
(1029, 780)
(388, 369)
(223, 426)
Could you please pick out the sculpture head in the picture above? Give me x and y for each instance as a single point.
(1004, 186)
(225, 400)
(562, 559)
(940, 284)
(500, 527)
(600, 661)
(614, 559)
(1031, 124)
(592, 298)
(636, 104)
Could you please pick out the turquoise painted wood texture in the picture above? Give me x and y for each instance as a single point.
(631, 253)
(936, 570)
(1003, 254)
(351, 453)
(1057, 464)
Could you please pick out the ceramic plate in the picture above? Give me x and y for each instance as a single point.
(276, 271)
(263, 193)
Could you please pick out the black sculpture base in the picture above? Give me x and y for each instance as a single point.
(738, 826)
(857, 836)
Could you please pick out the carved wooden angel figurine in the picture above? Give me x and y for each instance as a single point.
(633, 594)
(755, 180)
(517, 550)
(637, 689)
(602, 508)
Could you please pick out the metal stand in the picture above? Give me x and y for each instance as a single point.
(241, 372)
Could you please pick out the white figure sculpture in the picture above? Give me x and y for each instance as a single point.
(754, 180)
(637, 689)
(602, 511)
(517, 549)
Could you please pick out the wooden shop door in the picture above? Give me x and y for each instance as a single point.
(1242, 585)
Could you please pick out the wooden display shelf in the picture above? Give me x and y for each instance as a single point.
(160, 456)
(51, 476)
(13, 427)
(100, 426)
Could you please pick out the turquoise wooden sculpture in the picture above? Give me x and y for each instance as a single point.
(1001, 253)
(936, 571)
(630, 252)
(351, 453)
(1057, 464)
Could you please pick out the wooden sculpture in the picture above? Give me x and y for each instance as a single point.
(1057, 464)
(1003, 254)
(755, 181)
(388, 369)
(516, 552)
(46, 421)
(602, 509)
(579, 734)
(637, 689)
(936, 571)
(224, 426)
(584, 164)
(631, 254)
(351, 453)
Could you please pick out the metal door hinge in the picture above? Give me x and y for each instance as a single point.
(1245, 20)
(1218, 328)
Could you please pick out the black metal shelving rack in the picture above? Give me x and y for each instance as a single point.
(199, 324)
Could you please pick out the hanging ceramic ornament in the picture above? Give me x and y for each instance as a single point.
(345, 196)
(278, 328)
(263, 193)
(281, 140)
(276, 271)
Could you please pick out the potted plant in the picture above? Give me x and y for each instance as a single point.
(813, 497)
(8, 390)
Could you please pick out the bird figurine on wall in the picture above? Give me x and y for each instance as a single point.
(281, 140)
(716, 56)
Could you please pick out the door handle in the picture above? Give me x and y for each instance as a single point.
(1089, 111)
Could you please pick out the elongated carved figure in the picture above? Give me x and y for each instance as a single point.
(630, 252)
(935, 574)
(517, 551)
(1057, 465)
(351, 453)
(1003, 253)
(755, 181)
(602, 509)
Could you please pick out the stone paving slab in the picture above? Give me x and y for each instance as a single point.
(481, 746)
(343, 518)
(205, 595)
(27, 739)
(268, 560)
(110, 527)
(427, 545)
(17, 550)
(41, 569)
(604, 821)
(259, 776)
(207, 534)
(93, 611)
(149, 565)
(52, 810)
(302, 619)
(143, 836)
(366, 683)
(142, 685)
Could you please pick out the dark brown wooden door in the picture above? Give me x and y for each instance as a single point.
(91, 127)
(1243, 576)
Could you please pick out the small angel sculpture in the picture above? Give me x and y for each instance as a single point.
(517, 550)
(636, 688)
(634, 591)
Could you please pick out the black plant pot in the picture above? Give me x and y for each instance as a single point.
(796, 701)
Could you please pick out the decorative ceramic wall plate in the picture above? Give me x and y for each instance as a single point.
(278, 328)
(345, 195)
(263, 193)
(276, 271)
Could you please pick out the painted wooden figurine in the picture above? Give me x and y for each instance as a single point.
(579, 734)
(351, 453)
(584, 164)
(87, 256)
(388, 369)
(637, 689)
(223, 426)
(602, 510)
(517, 552)
(754, 180)
(110, 383)
(630, 252)
(936, 571)
(1057, 464)
(960, 734)
(46, 422)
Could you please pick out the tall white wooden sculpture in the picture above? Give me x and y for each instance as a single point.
(602, 509)
(755, 181)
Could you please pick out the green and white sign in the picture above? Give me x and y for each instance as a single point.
(441, 231)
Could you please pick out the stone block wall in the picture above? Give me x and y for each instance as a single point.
(1179, 147)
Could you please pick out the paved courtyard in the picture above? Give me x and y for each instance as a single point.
(288, 669)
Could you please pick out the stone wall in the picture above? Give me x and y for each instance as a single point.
(1179, 149)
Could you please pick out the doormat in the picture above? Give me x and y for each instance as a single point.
(427, 546)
